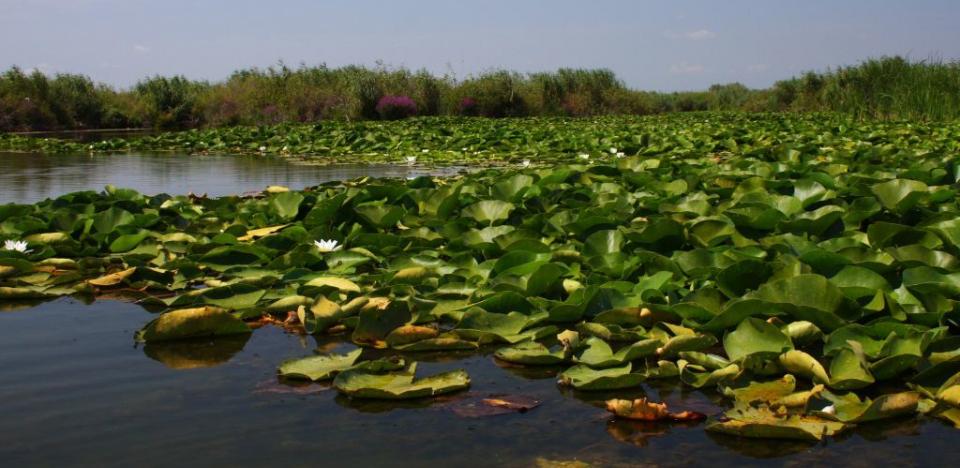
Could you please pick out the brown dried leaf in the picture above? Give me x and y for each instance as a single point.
(640, 409)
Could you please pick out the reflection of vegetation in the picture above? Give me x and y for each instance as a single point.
(639, 433)
(364, 405)
(531, 372)
(12, 306)
(756, 448)
(196, 353)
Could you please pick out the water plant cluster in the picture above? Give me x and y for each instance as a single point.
(888, 87)
(539, 140)
(805, 269)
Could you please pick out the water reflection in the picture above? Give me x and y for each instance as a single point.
(70, 366)
(760, 448)
(29, 178)
(639, 433)
(530, 372)
(196, 353)
(373, 406)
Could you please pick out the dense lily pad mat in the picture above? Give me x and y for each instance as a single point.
(539, 140)
(815, 284)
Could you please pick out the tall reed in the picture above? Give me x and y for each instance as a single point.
(882, 88)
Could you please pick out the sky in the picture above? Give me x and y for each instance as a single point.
(652, 45)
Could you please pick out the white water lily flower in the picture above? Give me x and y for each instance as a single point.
(263, 149)
(285, 149)
(613, 150)
(425, 151)
(829, 409)
(525, 163)
(325, 245)
(411, 159)
(621, 154)
(17, 246)
(583, 156)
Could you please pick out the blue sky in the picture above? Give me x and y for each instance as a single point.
(657, 45)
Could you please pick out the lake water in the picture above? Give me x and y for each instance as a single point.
(75, 390)
(28, 178)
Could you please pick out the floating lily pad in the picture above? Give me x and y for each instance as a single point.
(764, 423)
(192, 323)
(318, 367)
(583, 377)
(531, 353)
(360, 383)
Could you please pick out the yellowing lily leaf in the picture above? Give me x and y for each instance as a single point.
(192, 323)
(112, 279)
(261, 232)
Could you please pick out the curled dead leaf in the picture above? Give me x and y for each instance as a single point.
(642, 409)
(639, 409)
(687, 416)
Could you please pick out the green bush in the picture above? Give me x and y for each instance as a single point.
(884, 88)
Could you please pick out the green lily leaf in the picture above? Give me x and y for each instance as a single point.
(191, 323)
(900, 194)
(806, 297)
(583, 377)
(698, 376)
(318, 367)
(755, 337)
(764, 423)
(849, 369)
(488, 212)
(598, 354)
(488, 327)
(531, 353)
(360, 383)
(849, 408)
(378, 319)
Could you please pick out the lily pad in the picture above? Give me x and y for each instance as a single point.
(360, 383)
(583, 377)
(321, 367)
(192, 323)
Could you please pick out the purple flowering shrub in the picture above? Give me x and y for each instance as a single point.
(468, 106)
(396, 107)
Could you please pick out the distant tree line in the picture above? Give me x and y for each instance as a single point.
(884, 88)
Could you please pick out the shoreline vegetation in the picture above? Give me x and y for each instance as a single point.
(887, 88)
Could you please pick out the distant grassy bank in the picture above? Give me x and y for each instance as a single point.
(884, 88)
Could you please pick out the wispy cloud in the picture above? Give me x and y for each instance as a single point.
(757, 68)
(141, 48)
(684, 68)
(698, 35)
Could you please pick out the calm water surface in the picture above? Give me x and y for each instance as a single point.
(28, 178)
(76, 391)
